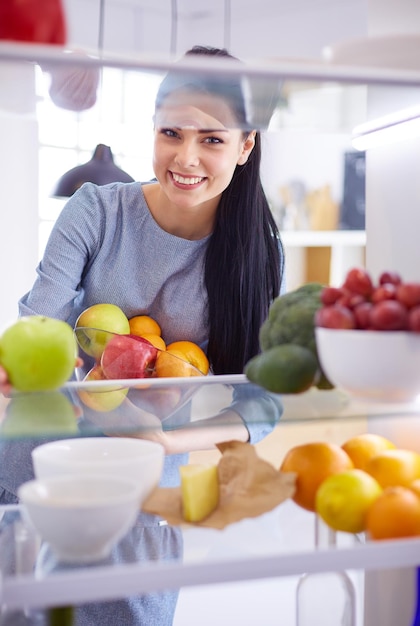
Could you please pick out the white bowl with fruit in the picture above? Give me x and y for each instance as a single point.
(368, 336)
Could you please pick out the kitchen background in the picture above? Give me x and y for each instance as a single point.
(304, 151)
(310, 171)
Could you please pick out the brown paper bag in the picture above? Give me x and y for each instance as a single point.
(248, 487)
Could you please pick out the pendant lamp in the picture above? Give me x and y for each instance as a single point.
(100, 170)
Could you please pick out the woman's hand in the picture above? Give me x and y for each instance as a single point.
(128, 420)
(5, 386)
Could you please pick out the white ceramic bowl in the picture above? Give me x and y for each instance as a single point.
(81, 517)
(376, 365)
(138, 460)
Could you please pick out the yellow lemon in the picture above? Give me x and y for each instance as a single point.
(344, 499)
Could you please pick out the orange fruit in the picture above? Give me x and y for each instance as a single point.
(394, 514)
(394, 467)
(343, 499)
(155, 340)
(313, 463)
(190, 352)
(415, 486)
(142, 324)
(171, 363)
(363, 447)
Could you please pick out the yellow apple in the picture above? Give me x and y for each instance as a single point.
(100, 317)
(101, 400)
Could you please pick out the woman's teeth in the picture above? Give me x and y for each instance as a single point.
(187, 181)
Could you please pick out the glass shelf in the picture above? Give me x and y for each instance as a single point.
(268, 84)
(275, 546)
(130, 406)
(261, 548)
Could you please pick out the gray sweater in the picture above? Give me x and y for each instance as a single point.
(106, 247)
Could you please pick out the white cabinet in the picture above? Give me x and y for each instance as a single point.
(347, 250)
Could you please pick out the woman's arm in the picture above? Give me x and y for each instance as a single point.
(251, 416)
(71, 245)
(201, 434)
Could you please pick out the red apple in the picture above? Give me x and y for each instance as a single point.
(160, 401)
(414, 319)
(350, 300)
(389, 278)
(362, 315)
(409, 294)
(128, 357)
(358, 281)
(386, 291)
(330, 295)
(334, 317)
(389, 315)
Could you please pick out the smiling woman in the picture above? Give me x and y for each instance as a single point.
(197, 149)
(197, 251)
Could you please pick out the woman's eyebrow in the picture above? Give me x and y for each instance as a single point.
(213, 130)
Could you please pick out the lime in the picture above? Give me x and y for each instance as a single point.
(343, 500)
(287, 368)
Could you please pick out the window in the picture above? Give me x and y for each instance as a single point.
(121, 118)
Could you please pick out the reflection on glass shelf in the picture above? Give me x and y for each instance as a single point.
(130, 406)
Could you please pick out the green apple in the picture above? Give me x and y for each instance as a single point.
(38, 353)
(42, 414)
(100, 317)
(101, 400)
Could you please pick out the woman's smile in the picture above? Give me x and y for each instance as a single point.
(184, 181)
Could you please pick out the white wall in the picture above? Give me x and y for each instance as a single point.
(19, 186)
(392, 225)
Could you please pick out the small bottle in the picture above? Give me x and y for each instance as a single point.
(327, 598)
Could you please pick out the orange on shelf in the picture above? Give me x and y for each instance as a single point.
(394, 467)
(361, 448)
(394, 514)
(313, 463)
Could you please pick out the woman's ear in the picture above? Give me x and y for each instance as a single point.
(247, 148)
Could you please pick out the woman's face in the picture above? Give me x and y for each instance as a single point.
(197, 147)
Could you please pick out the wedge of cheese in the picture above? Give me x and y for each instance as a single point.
(200, 491)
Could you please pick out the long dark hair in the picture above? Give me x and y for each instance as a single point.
(244, 259)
